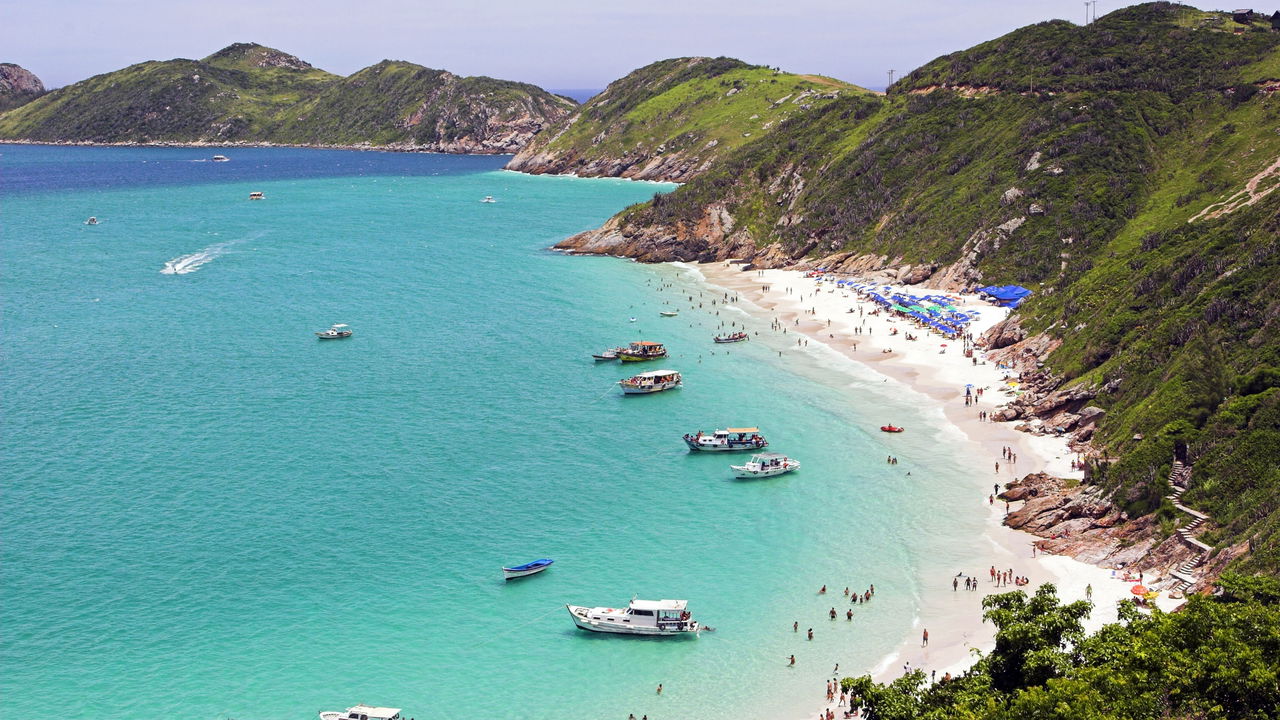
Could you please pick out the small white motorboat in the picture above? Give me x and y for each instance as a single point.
(668, 313)
(650, 382)
(603, 355)
(91, 221)
(335, 332)
(727, 440)
(765, 465)
(362, 712)
(221, 158)
(488, 199)
(257, 195)
(641, 617)
(529, 568)
(732, 337)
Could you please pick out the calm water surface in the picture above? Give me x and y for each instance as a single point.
(209, 514)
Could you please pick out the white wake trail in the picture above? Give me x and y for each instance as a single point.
(194, 261)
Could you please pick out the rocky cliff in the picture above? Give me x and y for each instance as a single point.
(672, 119)
(18, 86)
(248, 93)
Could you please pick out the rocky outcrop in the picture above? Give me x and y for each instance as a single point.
(256, 56)
(18, 86)
(1004, 333)
(713, 237)
(675, 167)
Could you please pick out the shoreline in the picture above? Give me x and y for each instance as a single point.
(937, 369)
(362, 147)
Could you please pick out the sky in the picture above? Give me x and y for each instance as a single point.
(551, 43)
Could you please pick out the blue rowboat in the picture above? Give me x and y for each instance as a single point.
(530, 568)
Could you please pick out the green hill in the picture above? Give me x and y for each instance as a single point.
(1123, 170)
(251, 93)
(399, 102)
(672, 119)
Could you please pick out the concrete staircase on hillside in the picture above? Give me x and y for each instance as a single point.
(1185, 576)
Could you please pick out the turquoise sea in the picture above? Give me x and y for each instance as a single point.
(207, 513)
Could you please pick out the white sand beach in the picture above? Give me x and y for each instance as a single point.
(938, 369)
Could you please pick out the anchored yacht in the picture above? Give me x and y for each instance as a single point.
(641, 617)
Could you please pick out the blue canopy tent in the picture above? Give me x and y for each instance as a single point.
(1010, 296)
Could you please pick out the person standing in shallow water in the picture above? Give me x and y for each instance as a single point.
(924, 641)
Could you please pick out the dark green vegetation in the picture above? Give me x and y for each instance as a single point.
(1109, 167)
(17, 86)
(251, 93)
(1217, 658)
(694, 109)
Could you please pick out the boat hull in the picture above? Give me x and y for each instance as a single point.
(625, 357)
(582, 619)
(649, 389)
(742, 472)
(728, 447)
(722, 341)
(508, 574)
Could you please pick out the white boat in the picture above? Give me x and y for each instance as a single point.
(650, 382)
(362, 712)
(610, 354)
(221, 158)
(732, 337)
(529, 568)
(488, 199)
(641, 617)
(257, 195)
(668, 313)
(765, 465)
(91, 221)
(335, 332)
(729, 439)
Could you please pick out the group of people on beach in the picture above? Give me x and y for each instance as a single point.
(1002, 578)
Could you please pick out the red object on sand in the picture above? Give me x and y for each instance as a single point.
(890, 428)
(1138, 589)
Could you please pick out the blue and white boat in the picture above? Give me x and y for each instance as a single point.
(529, 568)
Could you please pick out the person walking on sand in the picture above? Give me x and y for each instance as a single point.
(1088, 592)
(955, 584)
(925, 638)
(792, 660)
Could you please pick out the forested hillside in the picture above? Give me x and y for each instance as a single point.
(1123, 170)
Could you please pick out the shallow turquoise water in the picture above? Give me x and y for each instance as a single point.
(207, 513)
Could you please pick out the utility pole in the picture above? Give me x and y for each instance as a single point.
(1094, 3)
(1086, 12)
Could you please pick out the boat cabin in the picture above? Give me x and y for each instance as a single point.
(663, 611)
